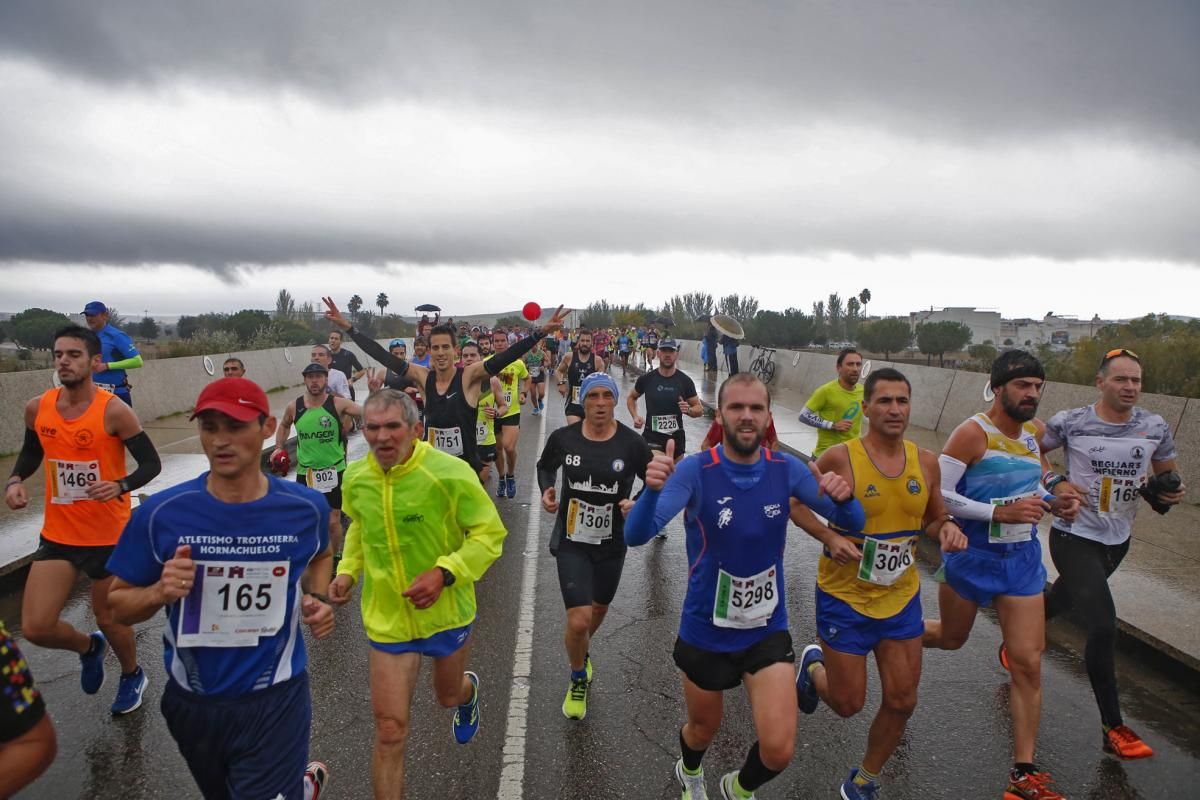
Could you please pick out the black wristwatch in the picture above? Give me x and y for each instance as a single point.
(447, 577)
(123, 485)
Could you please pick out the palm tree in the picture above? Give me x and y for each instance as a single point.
(355, 304)
(864, 297)
(382, 302)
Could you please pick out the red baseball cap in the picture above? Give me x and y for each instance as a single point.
(239, 398)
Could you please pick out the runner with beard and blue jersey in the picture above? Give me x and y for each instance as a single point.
(734, 626)
(238, 559)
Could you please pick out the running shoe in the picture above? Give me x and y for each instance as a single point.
(500, 486)
(1123, 743)
(512, 486)
(130, 691)
(91, 674)
(587, 665)
(806, 692)
(1003, 655)
(536, 409)
(575, 703)
(1030, 786)
(693, 785)
(466, 717)
(727, 790)
(316, 775)
(662, 537)
(856, 791)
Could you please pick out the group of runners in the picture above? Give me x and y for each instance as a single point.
(239, 559)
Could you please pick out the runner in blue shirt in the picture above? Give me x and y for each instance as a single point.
(734, 625)
(117, 350)
(238, 559)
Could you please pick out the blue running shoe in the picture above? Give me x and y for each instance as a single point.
(501, 486)
(91, 675)
(536, 409)
(806, 693)
(512, 486)
(466, 718)
(130, 691)
(854, 791)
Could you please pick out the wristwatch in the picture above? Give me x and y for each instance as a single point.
(123, 485)
(447, 577)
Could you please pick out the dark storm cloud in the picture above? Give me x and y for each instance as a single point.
(979, 69)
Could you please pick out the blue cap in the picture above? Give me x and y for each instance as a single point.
(93, 308)
(395, 343)
(598, 380)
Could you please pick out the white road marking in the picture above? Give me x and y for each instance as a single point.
(512, 776)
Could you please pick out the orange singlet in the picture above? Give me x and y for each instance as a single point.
(79, 451)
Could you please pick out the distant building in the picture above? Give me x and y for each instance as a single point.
(985, 325)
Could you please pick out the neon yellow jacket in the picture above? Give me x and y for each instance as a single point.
(431, 511)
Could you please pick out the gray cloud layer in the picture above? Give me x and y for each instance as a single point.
(980, 68)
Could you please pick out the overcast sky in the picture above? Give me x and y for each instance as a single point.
(179, 157)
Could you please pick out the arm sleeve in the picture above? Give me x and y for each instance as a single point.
(654, 509)
(549, 463)
(148, 462)
(849, 516)
(483, 529)
(30, 457)
(378, 352)
(810, 417)
(496, 364)
(956, 504)
(128, 363)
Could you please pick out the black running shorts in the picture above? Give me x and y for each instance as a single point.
(716, 672)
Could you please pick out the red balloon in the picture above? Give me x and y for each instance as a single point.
(532, 311)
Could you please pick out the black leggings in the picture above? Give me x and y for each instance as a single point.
(1083, 569)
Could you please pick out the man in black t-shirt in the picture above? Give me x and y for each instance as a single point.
(599, 458)
(669, 395)
(345, 361)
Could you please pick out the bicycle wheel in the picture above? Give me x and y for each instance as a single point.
(768, 372)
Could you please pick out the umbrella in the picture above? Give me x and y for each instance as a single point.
(703, 318)
(728, 326)
(428, 307)
(662, 321)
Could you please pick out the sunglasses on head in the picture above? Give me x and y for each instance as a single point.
(1117, 353)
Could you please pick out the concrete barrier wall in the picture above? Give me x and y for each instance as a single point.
(163, 386)
(943, 398)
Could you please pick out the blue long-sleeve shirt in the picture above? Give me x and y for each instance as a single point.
(736, 519)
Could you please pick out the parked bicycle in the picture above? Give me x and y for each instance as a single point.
(764, 364)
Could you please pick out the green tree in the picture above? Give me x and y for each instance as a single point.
(285, 305)
(116, 319)
(597, 315)
(820, 326)
(983, 354)
(864, 297)
(740, 308)
(354, 306)
(512, 321)
(835, 314)
(790, 328)
(381, 300)
(35, 327)
(885, 336)
(147, 328)
(187, 327)
(939, 338)
(853, 318)
(245, 324)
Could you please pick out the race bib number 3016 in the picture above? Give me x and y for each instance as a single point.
(71, 479)
(883, 562)
(745, 602)
(233, 604)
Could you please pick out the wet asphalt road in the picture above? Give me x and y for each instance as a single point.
(957, 745)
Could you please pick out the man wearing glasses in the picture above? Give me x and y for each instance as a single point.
(1117, 453)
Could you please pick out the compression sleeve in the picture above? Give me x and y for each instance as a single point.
(810, 417)
(496, 364)
(379, 352)
(128, 363)
(956, 504)
(148, 462)
(30, 457)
